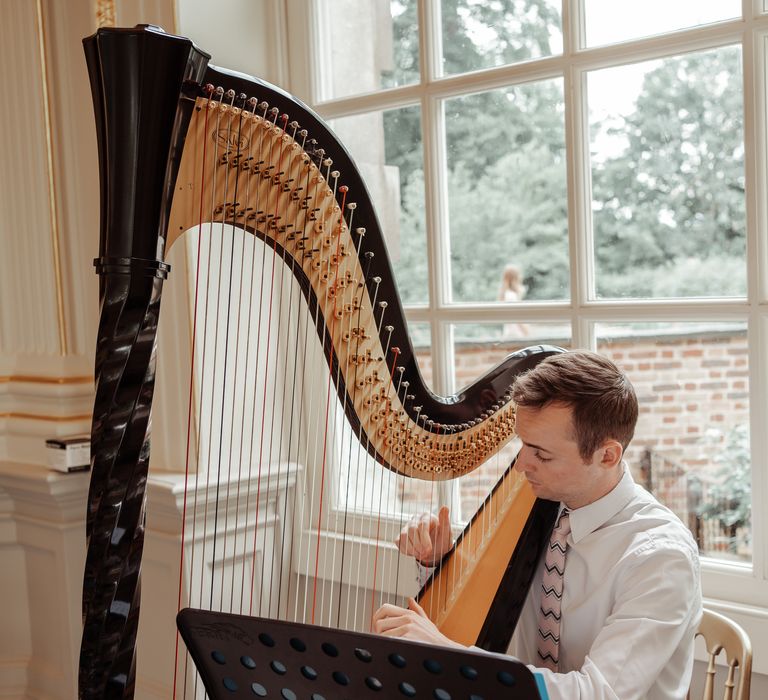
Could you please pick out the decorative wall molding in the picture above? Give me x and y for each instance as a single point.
(31, 379)
(105, 13)
(42, 545)
(49, 190)
(75, 171)
(53, 216)
(27, 266)
(33, 409)
(41, 585)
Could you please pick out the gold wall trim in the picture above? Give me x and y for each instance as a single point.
(52, 209)
(105, 13)
(31, 379)
(51, 419)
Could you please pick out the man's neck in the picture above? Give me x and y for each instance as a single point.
(601, 489)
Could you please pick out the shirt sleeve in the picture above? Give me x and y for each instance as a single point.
(657, 609)
(423, 573)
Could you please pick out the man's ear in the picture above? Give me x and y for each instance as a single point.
(612, 452)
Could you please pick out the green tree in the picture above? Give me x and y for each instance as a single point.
(669, 210)
(521, 127)
(516, 212)
(675, 196)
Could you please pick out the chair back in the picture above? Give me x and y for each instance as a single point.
(722, 634)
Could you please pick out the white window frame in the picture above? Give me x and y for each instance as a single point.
(739, 590)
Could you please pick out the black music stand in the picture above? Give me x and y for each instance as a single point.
(254, 657)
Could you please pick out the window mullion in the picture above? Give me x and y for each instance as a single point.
(756, 165)
(435, 191)
(753, 67)
(321, 49)
(574, 28)
(430, 40)
(438, 244)
(754, 76)
(579, 179)
(436, 185)
(758, 376)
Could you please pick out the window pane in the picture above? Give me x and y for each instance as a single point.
(691, 446)
(479, 34)
(507, 192)
(609, 21)
(367, 46)
(478, 348)
(481, 346)
(667, 151)
(387, 149)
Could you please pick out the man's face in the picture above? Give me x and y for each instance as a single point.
(550, 460)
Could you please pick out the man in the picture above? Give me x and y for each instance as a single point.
(615, 616)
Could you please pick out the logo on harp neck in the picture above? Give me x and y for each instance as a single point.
(224, 631)
(230, 139)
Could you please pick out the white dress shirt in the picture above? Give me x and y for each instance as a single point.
(631, 603)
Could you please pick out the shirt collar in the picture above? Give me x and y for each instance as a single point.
(587, 519)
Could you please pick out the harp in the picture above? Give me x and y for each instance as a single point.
(185, 146)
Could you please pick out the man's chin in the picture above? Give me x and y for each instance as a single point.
(539, 490)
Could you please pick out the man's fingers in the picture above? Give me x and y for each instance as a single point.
(388, 610)
(404, 543)
(444, 518)
(423, 533)
(407, 541)
(390, 623)
(443, 535)
(424, 540)
(413, 605)
(390, 617)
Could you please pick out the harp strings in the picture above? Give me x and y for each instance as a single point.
(252, 147)
(190, 404)
(221, 485)
(291, 313)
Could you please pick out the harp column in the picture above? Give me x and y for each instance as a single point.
(141, 115)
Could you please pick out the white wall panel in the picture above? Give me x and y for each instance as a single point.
(27, 272)
(240, 35)
(76, 170)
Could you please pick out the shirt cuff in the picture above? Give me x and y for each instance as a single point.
(423, 573)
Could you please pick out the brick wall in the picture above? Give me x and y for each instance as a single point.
(692, 388)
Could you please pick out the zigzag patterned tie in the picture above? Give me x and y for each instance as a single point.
(552, 594)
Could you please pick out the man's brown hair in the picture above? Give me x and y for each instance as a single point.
(602, 399)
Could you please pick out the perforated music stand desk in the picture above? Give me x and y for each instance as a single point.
(253, 657)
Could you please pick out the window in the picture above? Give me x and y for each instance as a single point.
(612, 165)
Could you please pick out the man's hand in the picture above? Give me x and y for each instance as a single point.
(427, 537)
(409, 623)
